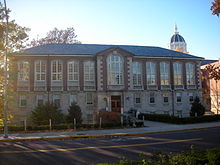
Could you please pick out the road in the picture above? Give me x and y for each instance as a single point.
(108, 150)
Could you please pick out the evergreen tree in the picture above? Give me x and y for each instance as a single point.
(43, 113)
(197, 108)
(74, 112)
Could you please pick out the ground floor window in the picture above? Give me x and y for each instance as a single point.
(22, 101)
(56, 100)
(137, 98)
(178, 97)
(72, 99)
(40, 100)
(152, 98)
(165, 97)
(191, 97)
(89, 99)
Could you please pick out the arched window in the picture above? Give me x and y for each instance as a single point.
(115, 70)
(73, 71)
(190, 74)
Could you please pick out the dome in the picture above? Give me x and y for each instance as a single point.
(177, 38)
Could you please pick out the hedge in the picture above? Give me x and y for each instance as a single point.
(206, 157)
(177, 120)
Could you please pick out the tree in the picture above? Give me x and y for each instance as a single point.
(66, 36)
(197, 108)
(74, 112)
(215, 7)
(43, 113)
(17, 37)
(213, 72)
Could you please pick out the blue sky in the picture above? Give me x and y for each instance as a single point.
(125, 22)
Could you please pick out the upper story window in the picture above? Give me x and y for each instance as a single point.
(40, 70)
(137, 80)
(57, 68)
(164, 73)
(115, 70)
(190, 74)
(177, 71)
(73, 71)
(23, 70)
(151, 73)
(89, 71)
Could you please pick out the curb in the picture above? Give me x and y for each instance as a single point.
(101, 136)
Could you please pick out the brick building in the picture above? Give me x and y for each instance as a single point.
(106, 77)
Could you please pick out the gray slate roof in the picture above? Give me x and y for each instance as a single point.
(93, 49)
(204, 62)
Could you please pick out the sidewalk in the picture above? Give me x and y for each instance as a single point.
(150, 127)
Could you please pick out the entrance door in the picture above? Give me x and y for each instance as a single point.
(116, 103)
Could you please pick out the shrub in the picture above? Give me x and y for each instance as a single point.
(43, 113)
(74, 112)
(213, 156)
(108, 117)
(197, 108)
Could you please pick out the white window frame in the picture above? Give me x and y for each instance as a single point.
(190, 74)
(151, 73)
(42, 70)
(177, 73)
(137, 73)
(22, 97)
(164, 73)
(75, 71)
(23, 70)
(115, 70)
(58, 73)
(89, 71)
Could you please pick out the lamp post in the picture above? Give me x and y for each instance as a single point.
(6, 77)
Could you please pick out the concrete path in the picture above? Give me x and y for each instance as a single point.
(150, 127)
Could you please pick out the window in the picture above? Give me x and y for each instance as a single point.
(191, 97)
(73, 71)
(23, 70)
(179, 114)
(56, 100)
(164, 73)
(22, 101)
(137, 98)
(177, 71)
(137, 80)
(40, 100)
(89, 98)
(151, 73)
(166, 97)
(40, 70)
(190, 74)
(89, 71)
(115, 70)
(178, 97)
(73, 98)
(57, 69)
(152, 98)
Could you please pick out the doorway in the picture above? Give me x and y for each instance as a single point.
(116, 103)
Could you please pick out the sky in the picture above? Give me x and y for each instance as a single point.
(125, 22)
